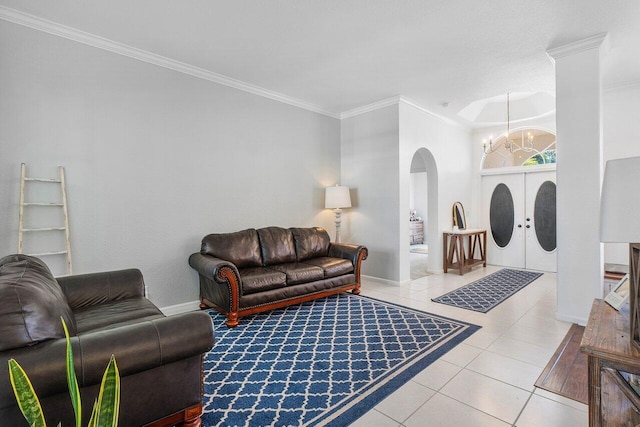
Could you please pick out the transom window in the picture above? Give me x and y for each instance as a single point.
(528, 147)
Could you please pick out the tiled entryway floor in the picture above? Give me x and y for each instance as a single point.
(488, 380)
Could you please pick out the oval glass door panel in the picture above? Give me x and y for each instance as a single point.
(501, 215)
(544, 216)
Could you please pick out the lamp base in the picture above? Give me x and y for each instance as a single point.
(338, 213)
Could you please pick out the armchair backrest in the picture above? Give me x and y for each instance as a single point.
(32, 303)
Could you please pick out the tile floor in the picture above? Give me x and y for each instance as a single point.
(488, 380)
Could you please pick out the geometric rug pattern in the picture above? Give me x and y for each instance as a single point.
(486, 293)
(324, 362)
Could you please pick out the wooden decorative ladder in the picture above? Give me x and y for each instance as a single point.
(62, 204)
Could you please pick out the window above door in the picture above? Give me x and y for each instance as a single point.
(526, 147)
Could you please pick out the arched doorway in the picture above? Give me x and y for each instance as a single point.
(423, 214)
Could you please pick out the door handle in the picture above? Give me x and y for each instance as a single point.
(528, 219)
(528, 226)
(519, 225)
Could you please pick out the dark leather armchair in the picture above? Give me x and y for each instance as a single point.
(159, 358)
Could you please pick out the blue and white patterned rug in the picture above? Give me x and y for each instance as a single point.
(486, 293)
(324, 362)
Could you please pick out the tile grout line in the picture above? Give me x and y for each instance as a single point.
(522, 410)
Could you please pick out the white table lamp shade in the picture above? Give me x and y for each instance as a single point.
(337, 197)
(620, 201)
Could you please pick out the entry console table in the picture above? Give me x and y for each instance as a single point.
(455, 255)
(612, 361)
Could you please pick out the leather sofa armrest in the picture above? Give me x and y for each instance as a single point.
(348, 251)
(211, 267)
(97, 288)
(137, 347)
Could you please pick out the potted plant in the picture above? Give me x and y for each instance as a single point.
(105, 409)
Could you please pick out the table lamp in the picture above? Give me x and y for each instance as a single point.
(620, 223)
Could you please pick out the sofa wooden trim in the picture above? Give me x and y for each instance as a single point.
(232, 317)
(189, 417)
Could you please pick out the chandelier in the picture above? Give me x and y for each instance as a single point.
(508, 144)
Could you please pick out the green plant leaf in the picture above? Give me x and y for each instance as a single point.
(25, 395)
(107, 408)
(72, 380)
(94, 415)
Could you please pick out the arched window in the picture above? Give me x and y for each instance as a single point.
(525, 147)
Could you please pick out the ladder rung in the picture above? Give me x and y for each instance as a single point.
(44, 229)
(49, 253)
(53, 180)
(43, 204)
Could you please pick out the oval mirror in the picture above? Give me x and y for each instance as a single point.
(459, 220)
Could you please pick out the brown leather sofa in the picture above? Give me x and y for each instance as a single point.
(251, 271)
(160, 358)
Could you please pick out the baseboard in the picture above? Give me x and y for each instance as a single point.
(181, 308)
(384, 281)
(571, 319)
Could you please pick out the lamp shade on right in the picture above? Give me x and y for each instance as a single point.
(620, 201)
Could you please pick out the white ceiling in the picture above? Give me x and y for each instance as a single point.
(338, 55)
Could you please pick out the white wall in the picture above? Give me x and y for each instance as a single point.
(154, 159)
(370, 167)
(579, 176)
(449, 148)
(377, 149)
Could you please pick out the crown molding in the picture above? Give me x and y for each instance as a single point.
(56, 29)
(397, 100)
(593, 42)
(443, 119)
(370, 107)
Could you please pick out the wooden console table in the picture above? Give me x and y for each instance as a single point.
(606, 342)
(454, 248)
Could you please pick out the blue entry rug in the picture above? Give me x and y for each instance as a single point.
(325, 362)
(486, 293)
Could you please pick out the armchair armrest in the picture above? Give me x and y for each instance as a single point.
(84, 290)
(137, 347)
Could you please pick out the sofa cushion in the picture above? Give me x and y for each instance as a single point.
(258, 279)
(241, 248)
(333, 267)
(298, 272)
(32, 303)
(277, 245)
(310, 242)
(115, 313)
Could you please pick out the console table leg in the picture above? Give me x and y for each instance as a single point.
(445, 247)
(461, 256)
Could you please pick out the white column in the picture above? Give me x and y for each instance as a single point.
(579, 175)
